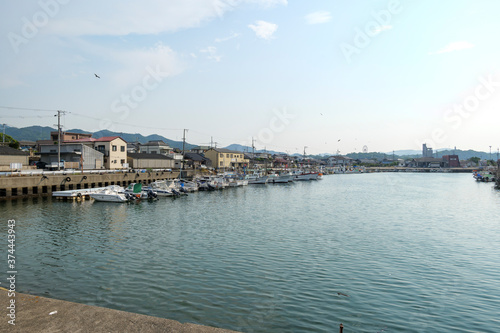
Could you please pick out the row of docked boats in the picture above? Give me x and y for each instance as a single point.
(484, 177)
(177, 188)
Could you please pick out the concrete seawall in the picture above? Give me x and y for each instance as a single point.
(40, 314)
(43, 185)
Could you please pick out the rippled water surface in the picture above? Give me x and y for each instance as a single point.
(378, 252)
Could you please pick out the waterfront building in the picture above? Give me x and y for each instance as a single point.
(151, 161)
(10, 157)
(225, 158)
(428, 162)
(196, 161)
(452, 160)
(114, 149)
(338, 160)
(73, 154)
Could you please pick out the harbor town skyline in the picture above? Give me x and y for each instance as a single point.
(388, 75)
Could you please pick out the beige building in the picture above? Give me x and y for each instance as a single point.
(114, 149)
(68, 136)
(224, 158)
(150, 161)
(12, 156)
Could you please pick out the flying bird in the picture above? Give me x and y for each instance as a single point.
(338, 140)
(97, 76)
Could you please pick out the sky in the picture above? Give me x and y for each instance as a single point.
(332, 76)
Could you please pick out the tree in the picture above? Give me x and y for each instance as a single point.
(474, 159)
(12, 142)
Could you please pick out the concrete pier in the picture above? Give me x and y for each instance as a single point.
(40, 314)
(26, 185)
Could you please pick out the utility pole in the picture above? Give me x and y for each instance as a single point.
(59, 112)
(253, 153)
(183, 146)
(3, 137)
(490, 153)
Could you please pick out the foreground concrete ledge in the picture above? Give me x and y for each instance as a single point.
(38, 314)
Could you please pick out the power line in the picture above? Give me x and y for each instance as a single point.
(28, 109)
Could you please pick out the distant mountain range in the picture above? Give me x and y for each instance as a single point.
(34, 133)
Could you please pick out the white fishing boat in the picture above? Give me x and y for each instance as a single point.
(161, 188)
(112, 193)
(257, 179)
(279, 179)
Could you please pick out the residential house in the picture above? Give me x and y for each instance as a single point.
(68, 136)
(225, 158)
(196, 161)
(114, 149)
(200, 149)
(156, 147)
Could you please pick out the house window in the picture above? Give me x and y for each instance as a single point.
(122, 161)
(221, 163)
(153, 152)
(221, 155)
(231, 155)
(114, 148)
(227, 155)
(122, 148)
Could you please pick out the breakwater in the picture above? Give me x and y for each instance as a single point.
(43, 184)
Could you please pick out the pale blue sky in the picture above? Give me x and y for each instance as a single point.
(386, 74)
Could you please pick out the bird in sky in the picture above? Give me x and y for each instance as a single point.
(338, 140)
(97, 76)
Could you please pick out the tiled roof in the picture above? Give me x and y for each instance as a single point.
(5, 150)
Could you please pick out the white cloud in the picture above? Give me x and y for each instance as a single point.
(225, 39)
(318, 17)
(120, 18)
(211, 52)
(455, 46)
(381, 28)
(263, 29)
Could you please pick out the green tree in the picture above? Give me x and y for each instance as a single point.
(12, 142)
(474, 159)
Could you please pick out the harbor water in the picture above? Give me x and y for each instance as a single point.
(381, 252)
